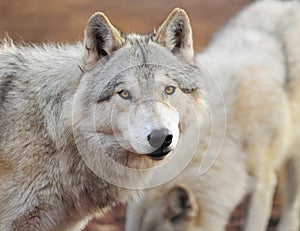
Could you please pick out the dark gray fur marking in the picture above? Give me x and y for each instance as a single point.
(5, 86)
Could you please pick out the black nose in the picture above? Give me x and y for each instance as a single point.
(160, 138)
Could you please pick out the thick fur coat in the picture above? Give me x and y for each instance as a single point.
(81, 124)
(255, 63)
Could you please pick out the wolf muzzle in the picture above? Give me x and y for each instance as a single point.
(161, 140)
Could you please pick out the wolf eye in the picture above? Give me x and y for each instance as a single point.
(125, 94)
(170, 90)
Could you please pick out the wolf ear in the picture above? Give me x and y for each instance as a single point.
(181, 202)
(100, 38)
(175, 33)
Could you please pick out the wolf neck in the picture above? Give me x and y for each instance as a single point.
(242, 44)
(260, 41)
(56, 90)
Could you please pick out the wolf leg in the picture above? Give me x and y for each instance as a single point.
(261, 202)
(291, 197)
(133, 216)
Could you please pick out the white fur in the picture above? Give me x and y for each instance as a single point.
(255, 62)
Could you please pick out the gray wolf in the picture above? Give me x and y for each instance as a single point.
(255, 60)
(83, 124)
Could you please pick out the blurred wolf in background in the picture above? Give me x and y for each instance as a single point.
(255, 59)
(77, 120)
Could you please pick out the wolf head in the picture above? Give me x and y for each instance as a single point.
(138, 93)
(166, 208)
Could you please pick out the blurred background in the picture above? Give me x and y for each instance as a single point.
(37, 21)
(64, 20)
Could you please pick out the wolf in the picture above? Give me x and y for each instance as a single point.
(255, 62)
(83, 124)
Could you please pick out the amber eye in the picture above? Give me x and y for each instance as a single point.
(170, 90)
(125, 94)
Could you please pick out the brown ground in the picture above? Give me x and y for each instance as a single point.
(63, 21)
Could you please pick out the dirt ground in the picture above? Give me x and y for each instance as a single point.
(64, 20)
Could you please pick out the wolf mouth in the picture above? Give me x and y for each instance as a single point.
(159, 154)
